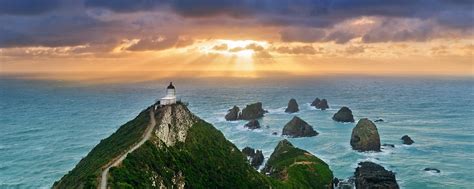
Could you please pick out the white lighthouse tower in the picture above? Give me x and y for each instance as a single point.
(170, 97)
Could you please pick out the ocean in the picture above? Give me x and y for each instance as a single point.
(46, 127)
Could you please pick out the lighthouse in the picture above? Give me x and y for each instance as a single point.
(170, 97)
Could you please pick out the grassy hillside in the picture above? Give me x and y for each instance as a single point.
(298, 168)
(87, 171)
(206, 159)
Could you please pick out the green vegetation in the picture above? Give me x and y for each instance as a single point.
(206, 160)
(298, 168)
(87, 171)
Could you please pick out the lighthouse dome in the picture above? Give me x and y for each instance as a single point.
(171, 86)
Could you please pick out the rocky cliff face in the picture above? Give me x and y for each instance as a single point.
(173, 123)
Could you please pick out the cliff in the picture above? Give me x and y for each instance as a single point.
(182, 152)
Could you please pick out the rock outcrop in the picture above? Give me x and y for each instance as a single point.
(177, 115)
(252, 111)
(253, 124)
(370, 175)
(379, 120)
(232, 114)
(255, 156)
(290, 163)
(298, 128)
(292, 106)
(343, 115)
(320, 104)
(365, 136)
(433, 170)
(407, 140)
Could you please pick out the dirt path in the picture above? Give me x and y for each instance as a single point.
(148, 132)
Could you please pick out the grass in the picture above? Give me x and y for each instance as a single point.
(87, 171)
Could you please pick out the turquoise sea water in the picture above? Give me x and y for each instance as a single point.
(46, 127)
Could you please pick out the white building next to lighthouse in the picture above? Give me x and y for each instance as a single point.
(170, 97)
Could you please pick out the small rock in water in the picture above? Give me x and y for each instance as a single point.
(379, 120)
(275, 133)
(389, 145)
(256, 157)
(434, 170)
(343, 115)
(253, 124)
(232, 114)
(407, 140)
(298, 128)
(320, 104)
(292, 106)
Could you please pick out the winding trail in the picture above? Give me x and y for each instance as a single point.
(116, 162)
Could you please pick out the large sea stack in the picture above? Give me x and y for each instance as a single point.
(298, 128)
(232, 114)
(292, 106)
(343, 115)
(365, 136)
(252, 111)
(373, 176)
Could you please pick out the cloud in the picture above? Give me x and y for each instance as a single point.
(53, 23)
(305, 49)
(221, 47)
(160, 43)
(27, 7)
(352, 50)
(306, 35)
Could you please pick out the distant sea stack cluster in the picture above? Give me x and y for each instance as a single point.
(364, 138)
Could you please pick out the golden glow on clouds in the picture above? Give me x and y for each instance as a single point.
(244, 58)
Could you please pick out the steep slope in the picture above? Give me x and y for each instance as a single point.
(87, 171)
(298, 168)
(187, 152)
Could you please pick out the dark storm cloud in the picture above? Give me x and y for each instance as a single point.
(316, 13)
(52, 31)
(61, 23)
(125, 5)
(27, 7)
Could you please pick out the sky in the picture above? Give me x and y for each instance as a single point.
(149, 39)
